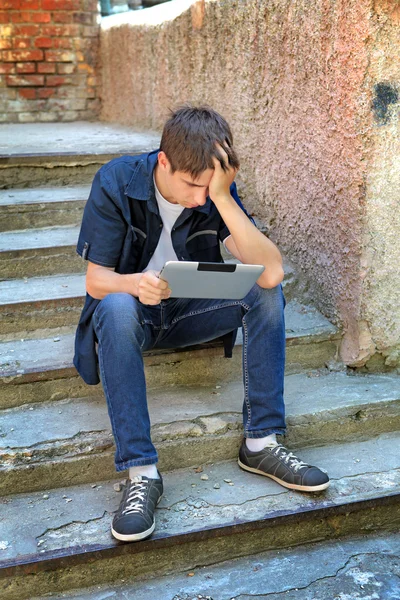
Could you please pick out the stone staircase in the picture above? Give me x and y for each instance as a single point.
(58, 485)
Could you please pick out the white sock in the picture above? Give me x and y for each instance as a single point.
(257, 444)
(147, 470)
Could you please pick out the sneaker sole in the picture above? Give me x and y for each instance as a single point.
(135, 537)
(291, 486)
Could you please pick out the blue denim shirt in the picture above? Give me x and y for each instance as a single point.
(121, 227)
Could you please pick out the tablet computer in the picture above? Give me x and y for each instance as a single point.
(226, 281)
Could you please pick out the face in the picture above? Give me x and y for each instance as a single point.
(179, 187)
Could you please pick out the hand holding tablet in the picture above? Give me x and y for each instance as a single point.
(210, 280)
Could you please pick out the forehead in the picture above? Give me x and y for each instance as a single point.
(202, 180)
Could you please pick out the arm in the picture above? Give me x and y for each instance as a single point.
(246, 243)
(101, 281)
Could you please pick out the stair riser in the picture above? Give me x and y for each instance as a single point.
(41, 215)
(199, 549)
(21, 319)
(39, 262)
(91, 458)
(175, 368)
(26, 318)
(42, 173)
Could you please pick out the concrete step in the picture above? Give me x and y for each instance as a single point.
(43, 251)
(60, 540)
(38, 154)
(69, 441)
(333, 569)
(37, 303)
(30, 304)
(42, 207)
(39, 369)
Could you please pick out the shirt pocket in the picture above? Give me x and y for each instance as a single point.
(132, 249)
(204, 246)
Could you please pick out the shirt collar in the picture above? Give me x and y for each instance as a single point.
(141, 185)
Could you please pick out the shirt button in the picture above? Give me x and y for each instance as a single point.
(160, 225)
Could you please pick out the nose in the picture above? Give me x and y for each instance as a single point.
(201, 197)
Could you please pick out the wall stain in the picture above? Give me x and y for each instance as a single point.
(385, 95)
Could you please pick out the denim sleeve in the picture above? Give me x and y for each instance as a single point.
(103, 227)
(224, 231)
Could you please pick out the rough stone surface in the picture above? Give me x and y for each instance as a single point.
(68, 139)
(315, 96)
(358, 568)
(69, 440)
(64, 154)
(42, 207)
(64, 520)
(24, 360)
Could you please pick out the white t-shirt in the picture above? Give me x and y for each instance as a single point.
(169, 213)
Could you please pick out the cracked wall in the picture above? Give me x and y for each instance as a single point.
(311, 92)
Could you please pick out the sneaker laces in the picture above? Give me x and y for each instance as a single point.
(136, 496)
(289, 458)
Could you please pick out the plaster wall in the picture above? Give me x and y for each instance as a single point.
(295, 79)
(380, 270)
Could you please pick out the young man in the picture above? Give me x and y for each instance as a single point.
(178, 203)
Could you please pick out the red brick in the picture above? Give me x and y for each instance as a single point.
(46, 67)
(59, 56)
(62, 17)
(60, 4)
(66, 69)
(40, 17)
(45, 92)
(90, 31)
(7, 68)
(20, 17)
(30, 4)
(21, 43)
(27, 30)
(28, 67)
(55, 80)
(89, 5)
(61, 30)
(4, 17)
(22, 55)
(5, 44)
(10, 4)
(84, 18)
(65, 43)
(27, 93)
(23, 80)
(43, 42)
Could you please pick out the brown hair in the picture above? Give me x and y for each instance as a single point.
(189, 139)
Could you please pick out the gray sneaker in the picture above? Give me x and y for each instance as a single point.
(278, 463)
(134, 519)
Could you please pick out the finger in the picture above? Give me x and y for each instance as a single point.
(155, 282)
(222, 157)
(162, 284)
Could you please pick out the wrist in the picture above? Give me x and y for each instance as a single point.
(223, 198)
(131, 283)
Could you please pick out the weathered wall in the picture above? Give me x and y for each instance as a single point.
(48, 59)
(380, 297)
(296, 81)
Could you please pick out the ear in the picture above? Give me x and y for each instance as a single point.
(163, 161)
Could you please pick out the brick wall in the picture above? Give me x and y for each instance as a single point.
(49, 57)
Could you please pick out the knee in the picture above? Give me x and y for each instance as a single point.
(271, 298)
(118, 310)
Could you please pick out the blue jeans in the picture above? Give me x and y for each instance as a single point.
(125, 328)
